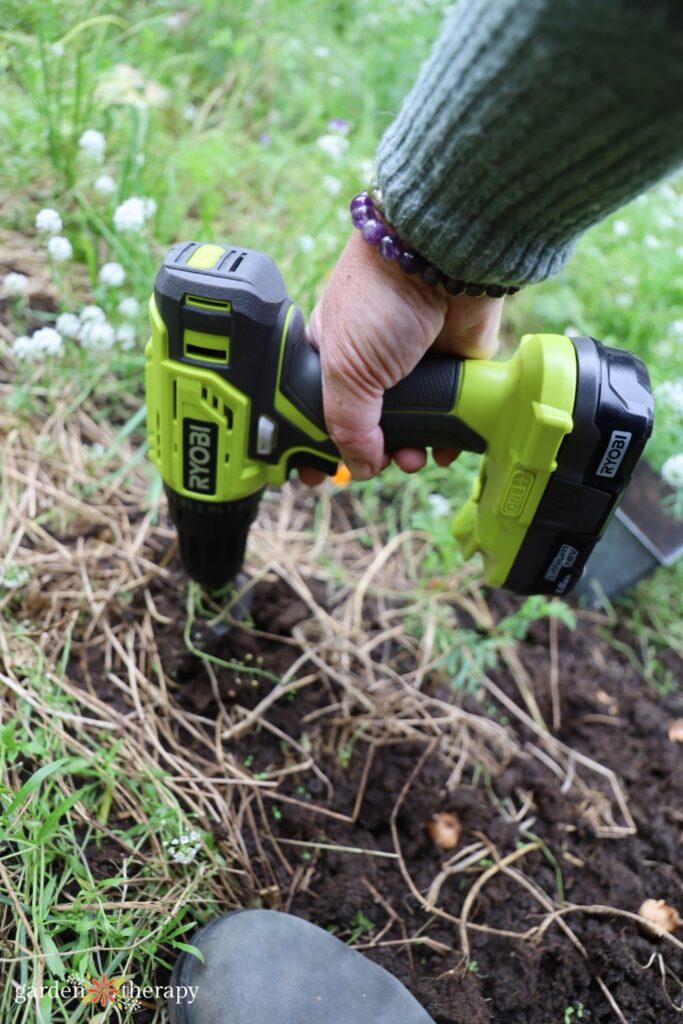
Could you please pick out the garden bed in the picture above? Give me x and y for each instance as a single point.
(337, 833)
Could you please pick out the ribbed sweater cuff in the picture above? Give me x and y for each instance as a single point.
(530, 122)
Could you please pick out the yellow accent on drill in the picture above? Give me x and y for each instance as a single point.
(202, 394)
(522, 407)
(205, 257)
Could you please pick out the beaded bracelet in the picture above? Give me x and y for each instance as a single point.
(366, 214)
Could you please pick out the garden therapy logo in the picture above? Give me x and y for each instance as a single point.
(104, 992)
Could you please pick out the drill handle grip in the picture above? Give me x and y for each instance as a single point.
(417, 412)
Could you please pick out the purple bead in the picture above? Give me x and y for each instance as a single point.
(475, 290)
(410, 262)
(495, 291)
(373, 231)
(431, 276)
(360, 200)
(454, 286)
(389, 248)
(362, 214)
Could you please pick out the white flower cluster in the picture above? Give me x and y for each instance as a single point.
(112, 275)
(333, 145)
(105, 185)
(91, 328)
(132, 215)
(672, 471)
(14, 284)
(46, 341)
(59, 248)
(129, 308)
(676, 329)
(48, 221)
(440, 505)
(670, 394)
(93, 144)
(184, 849)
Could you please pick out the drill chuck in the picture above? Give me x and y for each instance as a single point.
(234, 404)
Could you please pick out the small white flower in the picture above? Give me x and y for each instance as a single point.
(105, 185)
(15, 284)
(57, 50)
(620, 228)
(306, 243)
(129, 308)
(650, 242)
(672, 471)
(93, 144)
(667, 191)
(97, 337)
(664, 348)
(97, 449)
(623, 299)
(189, 113)
(130, 217)
(48, 221)
(112, 275)
(670, 393)
(59, 248)
(572, 332)
(46, 341)
(321, 52)
(140, 159)
(68, 325)
(440, 506)
(125, 334)
(333, 145)
(332, 185)
(24, 349)
(679, 252)
(49, 341)
(93, 314)
(676, 328)
(630, 280)
(665, 221)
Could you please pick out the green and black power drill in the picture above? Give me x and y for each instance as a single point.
(234, 404)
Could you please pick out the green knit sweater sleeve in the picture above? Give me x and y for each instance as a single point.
(530, 121)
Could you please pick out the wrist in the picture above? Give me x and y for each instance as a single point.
(368, 217)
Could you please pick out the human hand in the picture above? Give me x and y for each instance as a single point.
(372, 326)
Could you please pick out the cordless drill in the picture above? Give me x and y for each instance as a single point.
(234, 404)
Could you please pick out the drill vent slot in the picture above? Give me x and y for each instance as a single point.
(237, 262)
(212, 355)
(175, 399)
(228, 418)
(202, 302)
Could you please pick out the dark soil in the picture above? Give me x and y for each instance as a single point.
(609, 712)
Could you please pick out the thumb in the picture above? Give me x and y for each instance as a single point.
(471, 327)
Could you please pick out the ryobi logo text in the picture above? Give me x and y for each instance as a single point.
(200, 444)
(614, 453)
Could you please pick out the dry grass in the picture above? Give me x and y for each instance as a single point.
(83, 517)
